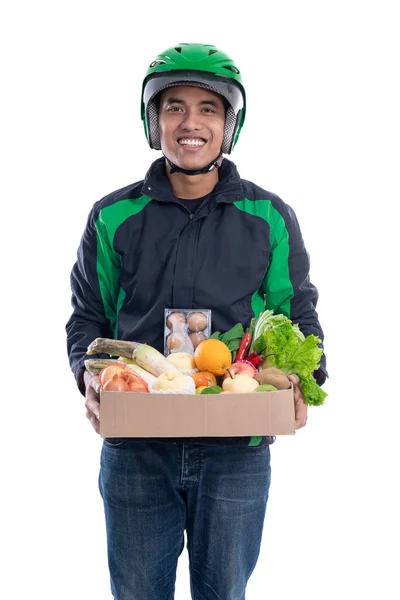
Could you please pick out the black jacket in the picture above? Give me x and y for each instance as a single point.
(142, 251)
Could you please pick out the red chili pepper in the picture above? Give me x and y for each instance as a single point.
(243, 347)
(257, 360)
(254, 354)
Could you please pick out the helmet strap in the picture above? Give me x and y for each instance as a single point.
(210, 167)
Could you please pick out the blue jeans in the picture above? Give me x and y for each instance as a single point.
(153, 492)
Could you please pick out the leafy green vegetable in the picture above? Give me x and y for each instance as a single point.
(237, 332)
(252, 327)
(290, 351)
(212, 389)
(267, 320)
(312, 392)
(231, 338)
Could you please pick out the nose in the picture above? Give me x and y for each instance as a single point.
(191, 120)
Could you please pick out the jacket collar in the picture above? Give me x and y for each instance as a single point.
(228, 189)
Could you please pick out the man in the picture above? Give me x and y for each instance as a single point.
(192, 234)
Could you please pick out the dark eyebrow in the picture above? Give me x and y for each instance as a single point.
(212, 102)
(173, 100)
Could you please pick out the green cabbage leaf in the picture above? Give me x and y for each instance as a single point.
(287, 349)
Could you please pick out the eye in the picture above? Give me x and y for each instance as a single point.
(174, 109)
(207, 109)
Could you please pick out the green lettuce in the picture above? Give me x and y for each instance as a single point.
(287, 349)
(312, 392)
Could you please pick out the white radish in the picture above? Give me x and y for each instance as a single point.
(152, 360)
(146, 375)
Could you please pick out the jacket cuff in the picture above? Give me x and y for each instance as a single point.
(79, 379)
(320, 375)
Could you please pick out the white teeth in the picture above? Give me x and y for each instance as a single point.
(188, 142)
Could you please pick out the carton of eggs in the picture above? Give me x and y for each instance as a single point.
(184, 329)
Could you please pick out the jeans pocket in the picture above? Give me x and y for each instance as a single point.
(113, 442)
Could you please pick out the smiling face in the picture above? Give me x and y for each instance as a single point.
(191, 121)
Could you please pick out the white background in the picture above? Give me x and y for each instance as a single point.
(322, 132)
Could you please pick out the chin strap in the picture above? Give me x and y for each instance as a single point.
(210, 167)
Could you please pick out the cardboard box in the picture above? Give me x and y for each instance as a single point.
(131, 414)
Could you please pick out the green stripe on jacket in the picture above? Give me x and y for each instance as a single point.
(276, 289)
(108, 261)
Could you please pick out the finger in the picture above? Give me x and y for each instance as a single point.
(95, 424)
(300, 421)
(92, 394)
(296, 393)
(301, 415)
(95, 384)
(93, 405)
(294, 378)
(93, 420)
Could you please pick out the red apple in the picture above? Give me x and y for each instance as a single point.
(241, 368)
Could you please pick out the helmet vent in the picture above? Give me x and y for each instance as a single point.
(155, 63)
(232, 68)
(210, 52)
(178, 50)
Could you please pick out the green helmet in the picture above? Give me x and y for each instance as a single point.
(199, 65)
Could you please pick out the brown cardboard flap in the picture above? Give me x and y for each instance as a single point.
(131, 414)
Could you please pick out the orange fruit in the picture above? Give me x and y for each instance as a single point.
(204, 378)
(213, 356)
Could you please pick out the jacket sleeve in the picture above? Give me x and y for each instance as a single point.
(91, 310)
(287, 284)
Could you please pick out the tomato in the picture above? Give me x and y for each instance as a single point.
(204, 378)
(109, 372)
(126, 381)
